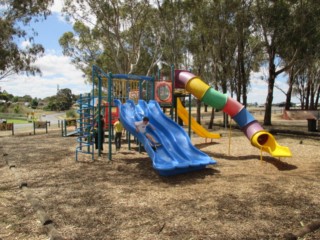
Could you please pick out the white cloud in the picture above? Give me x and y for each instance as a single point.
(259, 87)
(56, 9)
(84, 15)
(25, 44)
(56, 71)
(57, 6)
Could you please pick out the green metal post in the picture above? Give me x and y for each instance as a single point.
(61, 128)
(172, 91)
(100, 130)
(109, 115)
(65, 128)
(87, 116)
(189, 125)
(81, 123)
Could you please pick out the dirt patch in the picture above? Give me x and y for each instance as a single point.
(241, 197)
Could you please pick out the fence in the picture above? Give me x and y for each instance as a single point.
(24, 128)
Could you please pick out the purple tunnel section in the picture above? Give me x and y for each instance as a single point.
(182, 77)
(251, 129)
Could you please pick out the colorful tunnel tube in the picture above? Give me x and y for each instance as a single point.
(247, 123)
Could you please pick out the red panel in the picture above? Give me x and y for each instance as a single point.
(232, 107)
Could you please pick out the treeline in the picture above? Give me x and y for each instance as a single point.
(222, 41)
(62, 101)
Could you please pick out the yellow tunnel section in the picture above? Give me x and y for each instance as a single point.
(197, 87)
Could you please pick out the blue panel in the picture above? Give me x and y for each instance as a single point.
(243, 118)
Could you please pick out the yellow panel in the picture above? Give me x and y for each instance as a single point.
(197, 87)
(196, 127)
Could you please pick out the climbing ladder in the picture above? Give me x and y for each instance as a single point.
(86, 126)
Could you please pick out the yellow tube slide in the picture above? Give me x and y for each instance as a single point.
(255, 133)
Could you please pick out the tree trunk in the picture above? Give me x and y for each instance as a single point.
(308, 96)
(199, 111)
(180, 122)
(244, 85)
(312, 94)
(317, 98)
(210, 126)
(272, 77)
(289, 92)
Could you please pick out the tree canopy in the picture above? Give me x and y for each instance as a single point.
(222, 41)
(14, 16)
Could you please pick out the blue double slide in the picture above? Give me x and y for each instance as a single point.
(176, 154)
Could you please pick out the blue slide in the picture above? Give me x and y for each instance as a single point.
(177, 154)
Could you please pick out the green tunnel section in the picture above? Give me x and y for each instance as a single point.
(215, 99)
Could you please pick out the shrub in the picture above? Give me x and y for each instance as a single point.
(71, 113)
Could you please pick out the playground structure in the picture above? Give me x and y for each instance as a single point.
(177, 154)
(119, 86)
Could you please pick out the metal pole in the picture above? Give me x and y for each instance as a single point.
(65, 128)
(172, 91)
(100, 130)
(109, 115)
(189, 125)
(81, 124)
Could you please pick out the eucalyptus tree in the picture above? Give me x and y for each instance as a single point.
(248, 53)
(112, 34)
(214, 42)
(15, 16)
(173, 31)
(308, 35)
(307, 85)
(313, 86)
(292, 75)
(289, 31)
(271, 22)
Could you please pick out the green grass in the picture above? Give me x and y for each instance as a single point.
(16, 121)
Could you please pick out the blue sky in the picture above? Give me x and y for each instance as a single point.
(50, 30)
(57, 69)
